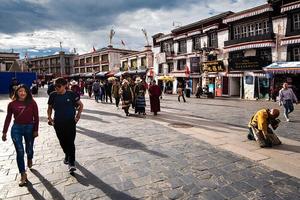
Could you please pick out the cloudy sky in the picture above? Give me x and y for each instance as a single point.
(37, 26)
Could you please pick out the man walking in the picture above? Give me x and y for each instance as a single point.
(286, 98)
(65, 103)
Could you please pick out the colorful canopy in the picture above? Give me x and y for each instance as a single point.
(283, 68)
(166, 78)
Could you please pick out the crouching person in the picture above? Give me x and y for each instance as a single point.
(260, 130)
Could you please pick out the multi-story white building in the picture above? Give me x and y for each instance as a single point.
(286, 54)
(139, 63)
(192, 53)
(48, 67)
(104, 60)
(249, 48)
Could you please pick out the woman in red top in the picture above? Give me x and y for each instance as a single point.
(26, 123)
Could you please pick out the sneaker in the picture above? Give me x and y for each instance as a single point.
(66, 160)
(287, 119)
(72, 168)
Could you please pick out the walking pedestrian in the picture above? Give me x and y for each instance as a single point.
(26, 123)
(115, 91)
(139, 94)
(13, 86)
(154, 94)
(65, 103)
(180, 92)
(199, 90)
(286, 98)
(97, 90)
(108, 86)
(126, 96)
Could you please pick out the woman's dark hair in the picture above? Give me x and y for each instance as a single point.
(28, 98)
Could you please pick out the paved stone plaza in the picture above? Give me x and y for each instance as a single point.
(139, 157)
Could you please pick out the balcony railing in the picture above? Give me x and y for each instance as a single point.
(268, 36)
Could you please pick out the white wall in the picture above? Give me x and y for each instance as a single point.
(249, 89)
(279, 28)
(222, 37)
(175, 47)
(156, 51)
(189, 45)
(234, 86)
(114, 60)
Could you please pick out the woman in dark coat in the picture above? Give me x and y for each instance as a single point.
(154, 93)
(126, 96)
(139, 94)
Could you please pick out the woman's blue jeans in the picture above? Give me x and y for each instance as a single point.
(288, 108)
(18, 131)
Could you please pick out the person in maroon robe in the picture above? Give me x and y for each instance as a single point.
(154, 93)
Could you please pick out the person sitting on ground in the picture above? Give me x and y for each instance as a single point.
(259, 129)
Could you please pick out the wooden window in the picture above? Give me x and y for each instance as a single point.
(296, 54)
(196, 43)
(182, 46)
(296, 21)
(144, 61)
(104, 58)
(181, 64)
(213, 40)
(133, 63)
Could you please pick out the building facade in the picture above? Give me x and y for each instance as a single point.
(7, 60)
(286, 26)
(104, 60)
(193, 54)
(138, 64)
(51, 66)
(250, 47)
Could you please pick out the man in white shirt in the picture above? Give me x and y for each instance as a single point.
(286, 98)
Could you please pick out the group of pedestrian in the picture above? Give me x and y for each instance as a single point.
(67, 111)
(67, 106)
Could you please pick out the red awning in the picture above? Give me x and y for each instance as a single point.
(110, 74)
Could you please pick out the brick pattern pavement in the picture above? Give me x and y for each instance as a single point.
(122, 157)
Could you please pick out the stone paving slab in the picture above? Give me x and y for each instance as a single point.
(122, 157)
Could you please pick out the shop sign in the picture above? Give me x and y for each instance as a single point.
(213, 66)
(247, 63)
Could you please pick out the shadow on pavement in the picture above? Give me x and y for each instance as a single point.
(123, 142)
(51, 189)
(91, 179)
(35, 194)
(102, 113)
(85, 117)
(287, 147)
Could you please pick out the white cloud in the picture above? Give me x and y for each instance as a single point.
(127, 25)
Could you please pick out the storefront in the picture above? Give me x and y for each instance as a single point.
(250, 81)
(281, 72)
(213, 77)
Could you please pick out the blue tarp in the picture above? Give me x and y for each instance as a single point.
(23, 77)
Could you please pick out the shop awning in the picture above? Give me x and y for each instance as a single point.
(166, 78)
(118, 74)
(290, 6)
(249, 45)
(139, 71)
(110, 74)
(101, 74)
(283, 68)
(248, 13)
(290, 40)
